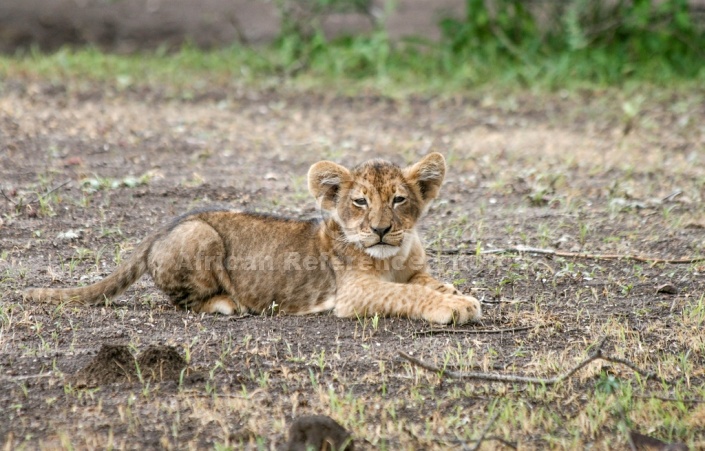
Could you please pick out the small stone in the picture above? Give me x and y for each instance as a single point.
(69, 235)
(667, 289)
(645, 442)
(73, 161)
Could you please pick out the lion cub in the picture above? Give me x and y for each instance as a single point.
(364, 258)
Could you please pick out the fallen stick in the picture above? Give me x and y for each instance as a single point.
(557, 253)
(446, 443)
(42, 196)
(27, 377)
(7, 198)
(233, 318)
(672, 399)
(512, 378)
(475, 331)
(37, 199)
(486, 429)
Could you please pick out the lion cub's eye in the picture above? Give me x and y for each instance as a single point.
(361, 202)
(399, 200)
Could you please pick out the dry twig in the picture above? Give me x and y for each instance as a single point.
(445, 330)
(447, 443)
(567, 254)
(27, 377)
(7, 198)
(50, 191)
(512, 378)
(672, 399)
(233, 318)
(486, 429)
(39, 196)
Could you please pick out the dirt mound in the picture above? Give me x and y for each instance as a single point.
(112, 364)
(161, 363)
(318, 432)
(116, 364)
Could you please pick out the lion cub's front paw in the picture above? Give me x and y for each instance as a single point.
(448, 288)
(456, 310)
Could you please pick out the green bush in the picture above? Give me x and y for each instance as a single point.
(607, 41)
(530, 42)
(549, 44)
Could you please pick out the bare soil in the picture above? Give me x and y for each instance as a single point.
(88, 170)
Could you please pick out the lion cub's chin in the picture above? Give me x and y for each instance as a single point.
(382, 251)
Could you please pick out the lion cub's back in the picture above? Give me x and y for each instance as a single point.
(274, 260)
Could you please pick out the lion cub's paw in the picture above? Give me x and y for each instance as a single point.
(455, 310)
(448, 288)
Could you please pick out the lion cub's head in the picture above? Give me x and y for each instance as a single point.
(377, 203)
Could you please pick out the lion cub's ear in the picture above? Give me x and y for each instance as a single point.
(427, 175)
(324, 182)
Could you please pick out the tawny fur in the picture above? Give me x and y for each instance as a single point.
(364, 258)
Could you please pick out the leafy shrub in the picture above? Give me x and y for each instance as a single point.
(603, 40)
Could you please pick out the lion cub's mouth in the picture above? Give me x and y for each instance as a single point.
(382, 250)
(383, 244)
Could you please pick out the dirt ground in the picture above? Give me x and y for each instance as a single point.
(88, 170)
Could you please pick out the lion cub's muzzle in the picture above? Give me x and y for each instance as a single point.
(382, 238)
(380, 232)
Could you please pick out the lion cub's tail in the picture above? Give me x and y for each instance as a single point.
(124, 275)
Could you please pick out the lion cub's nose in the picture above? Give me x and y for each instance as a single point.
(380, 231)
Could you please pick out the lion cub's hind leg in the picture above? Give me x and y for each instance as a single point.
(188, 265)
(220, 304)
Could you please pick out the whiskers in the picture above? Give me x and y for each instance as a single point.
(346, 239)
(364, 240)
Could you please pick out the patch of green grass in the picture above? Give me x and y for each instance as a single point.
(178, 69)
(473, 52)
